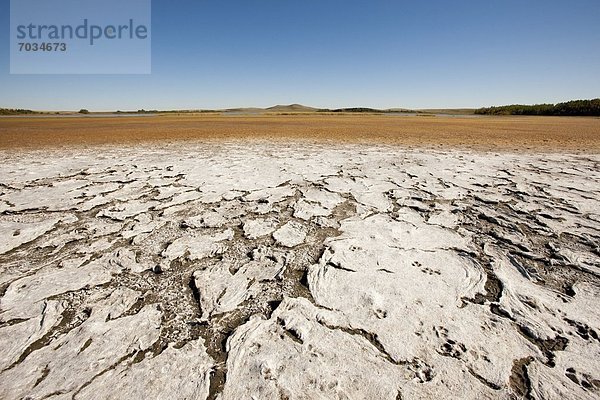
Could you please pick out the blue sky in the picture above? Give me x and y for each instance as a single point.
(339, 53)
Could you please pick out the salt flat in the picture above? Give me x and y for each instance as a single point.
(292, 270)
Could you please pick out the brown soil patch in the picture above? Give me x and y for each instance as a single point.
(489, 133)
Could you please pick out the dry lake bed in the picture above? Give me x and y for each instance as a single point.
(238, 270)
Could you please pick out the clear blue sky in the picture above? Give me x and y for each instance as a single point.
(337, 53)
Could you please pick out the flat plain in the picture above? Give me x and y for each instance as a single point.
(299, 257)
(506, 133)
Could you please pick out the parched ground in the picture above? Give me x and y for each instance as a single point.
(297, 269)
(482, 133)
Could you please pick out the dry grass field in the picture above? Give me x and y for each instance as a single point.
(501, 133)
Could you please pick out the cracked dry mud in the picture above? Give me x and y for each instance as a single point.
(307, 271)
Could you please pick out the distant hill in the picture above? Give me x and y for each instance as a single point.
(291, 108)
(569, 108)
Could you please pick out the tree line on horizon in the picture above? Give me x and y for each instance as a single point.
(364, 110)
(569, 108)
(15, 111)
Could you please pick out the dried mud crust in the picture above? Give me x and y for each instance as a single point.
(439, 270)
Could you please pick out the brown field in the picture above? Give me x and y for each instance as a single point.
(502, 133)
